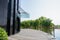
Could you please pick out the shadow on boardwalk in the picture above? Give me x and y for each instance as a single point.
(30, 34)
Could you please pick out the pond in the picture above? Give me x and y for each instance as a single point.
(57, 34)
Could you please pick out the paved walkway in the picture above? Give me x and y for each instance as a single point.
(30, 34)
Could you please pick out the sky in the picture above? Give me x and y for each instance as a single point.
(38, 8)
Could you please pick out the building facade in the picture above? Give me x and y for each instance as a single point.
(8, 16)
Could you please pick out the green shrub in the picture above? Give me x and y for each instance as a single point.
(3, 34)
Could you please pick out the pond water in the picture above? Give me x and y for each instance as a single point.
(57, 34)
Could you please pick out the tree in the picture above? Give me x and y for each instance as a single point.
(46, 24)
(36, 24)
(43, 23)
(25, 24)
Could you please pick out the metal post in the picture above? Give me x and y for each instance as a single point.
(53, 37)
(13, 31)
(18, 21)
(8, 17)
(54, 32)
(18, 18)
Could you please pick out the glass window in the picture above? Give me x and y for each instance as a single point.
(23, 14)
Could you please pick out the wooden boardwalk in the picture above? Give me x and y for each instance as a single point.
(30, 34)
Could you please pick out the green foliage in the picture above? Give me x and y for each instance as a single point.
(25, 24)
(3, 34)
(42, 23)
(46, 22)
(57, 26)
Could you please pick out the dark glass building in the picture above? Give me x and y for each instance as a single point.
(8, 16)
